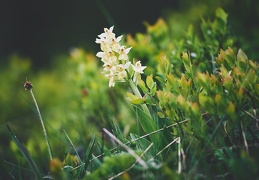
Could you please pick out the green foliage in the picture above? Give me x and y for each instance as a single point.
(194, 112)
(217, 95)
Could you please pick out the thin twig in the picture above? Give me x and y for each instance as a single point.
(254, 117)
(179, 156)
(184, 158)
(176, 139)
(141, 137)
(175, 124)
(140, 161)
(244, 137)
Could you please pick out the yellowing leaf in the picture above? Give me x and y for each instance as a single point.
(142, 85)
(219, 59)
(132, 96)
(204, 80)
(218, 98)
(170, 79)
(228, 82)
(240, 94)
(138, 101)
(230, 59)
(241, 56)
(160, 114)
(231, 110)
(254, 65)
(195, 107)
(206, 102)
(181, 100)
(135, 99)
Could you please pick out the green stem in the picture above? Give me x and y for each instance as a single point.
(42, 124)
(135, 90)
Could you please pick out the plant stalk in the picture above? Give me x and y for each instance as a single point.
(42, 124)
(134, 88)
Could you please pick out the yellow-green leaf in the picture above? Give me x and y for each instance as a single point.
(150, 82)
(135, 99)
(220, 13)
(231, 110)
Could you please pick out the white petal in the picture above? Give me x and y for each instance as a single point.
(123, 57)
(98, 41)
(126, 66)
(100, 54)
(102, 36)
(112, 82)
(127, 50)
(119, 38)
(111, 28)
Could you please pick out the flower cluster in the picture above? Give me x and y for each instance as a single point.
(115, 58)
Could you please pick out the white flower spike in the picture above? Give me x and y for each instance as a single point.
(115, 58)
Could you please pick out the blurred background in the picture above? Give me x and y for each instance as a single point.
(42, 30)
(38, 41)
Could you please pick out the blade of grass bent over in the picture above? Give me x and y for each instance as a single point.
(81, 171)
(25, 153)
(130, 151)
(73, 146)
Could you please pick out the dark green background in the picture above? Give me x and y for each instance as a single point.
(42, 30)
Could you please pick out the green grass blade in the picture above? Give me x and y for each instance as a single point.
(25, 153)
(148, 125)
(146, 122)
(73, 146)
(89, 152)
(81, 171)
